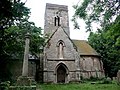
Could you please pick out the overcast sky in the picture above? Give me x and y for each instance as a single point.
(37, 15)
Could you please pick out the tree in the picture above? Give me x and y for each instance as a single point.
(14, 25)
(15, 40)
(107, 43)
(11, 12)
(106, 40)
(102, 11)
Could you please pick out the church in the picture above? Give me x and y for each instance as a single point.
(63, 60)
(66, 60)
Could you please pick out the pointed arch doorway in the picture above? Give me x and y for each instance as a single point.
(62, 72)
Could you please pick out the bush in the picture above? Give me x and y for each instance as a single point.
(106, 81)
(4, 85)
(94, 78)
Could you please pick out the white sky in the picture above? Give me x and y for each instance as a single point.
(37, 15)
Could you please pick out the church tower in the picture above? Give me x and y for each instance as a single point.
(55, 16)
(61, 61)
(66, 60)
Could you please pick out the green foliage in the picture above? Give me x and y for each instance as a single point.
(14, 25)
(91, 79)
(4, 85)
(37, 41)
(80, 86)
(14, 42)
(11, 11)
(94, 78)
(101, 11)
(22, 87)
(14, 45)
(107, 43)
(106, 81)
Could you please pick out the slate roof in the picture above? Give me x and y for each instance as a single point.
(84, 48)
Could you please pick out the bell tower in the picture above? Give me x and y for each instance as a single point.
(56, 16)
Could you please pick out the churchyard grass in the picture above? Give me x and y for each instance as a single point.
(80, 86)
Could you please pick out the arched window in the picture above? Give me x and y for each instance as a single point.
(60, 46)
(57, 19)
(60, 50)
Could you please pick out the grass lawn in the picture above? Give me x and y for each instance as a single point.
(80, 86)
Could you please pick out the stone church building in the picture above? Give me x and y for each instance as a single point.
(66, 60)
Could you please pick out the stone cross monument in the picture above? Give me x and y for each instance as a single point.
(26, 53)
(25, 82)
(24, 79)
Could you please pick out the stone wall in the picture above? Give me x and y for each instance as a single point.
(15, 68)
(52, 59)
(91, 66)
(51, 48)
(31, 69)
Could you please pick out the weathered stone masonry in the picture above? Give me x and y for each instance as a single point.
(64, 61)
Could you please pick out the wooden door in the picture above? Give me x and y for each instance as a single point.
(61, 74)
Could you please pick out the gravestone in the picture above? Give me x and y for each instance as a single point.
(118, 76)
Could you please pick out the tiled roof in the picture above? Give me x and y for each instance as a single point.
(84, 48)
